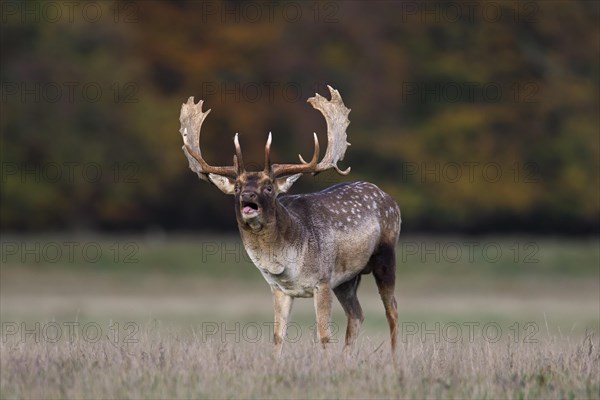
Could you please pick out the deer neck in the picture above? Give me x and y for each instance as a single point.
(274, 239)
(282, 227)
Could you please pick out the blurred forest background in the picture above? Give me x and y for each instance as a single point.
(479, 117)
(476, 117)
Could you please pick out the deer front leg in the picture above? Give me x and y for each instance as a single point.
(282, 304)
(323, 296)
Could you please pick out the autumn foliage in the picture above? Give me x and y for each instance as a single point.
(475, 118)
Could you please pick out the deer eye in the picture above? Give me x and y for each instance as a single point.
(236, 188)
(269, 188)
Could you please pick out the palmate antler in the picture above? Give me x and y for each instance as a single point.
(191, 118)
(336, 116)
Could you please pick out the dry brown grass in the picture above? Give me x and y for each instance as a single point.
(174, 356)
(164, 364)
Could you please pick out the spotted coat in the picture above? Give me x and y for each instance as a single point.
(334, 234)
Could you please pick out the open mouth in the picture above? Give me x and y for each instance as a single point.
(250, 209)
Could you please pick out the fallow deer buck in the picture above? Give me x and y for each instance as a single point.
(306, 245)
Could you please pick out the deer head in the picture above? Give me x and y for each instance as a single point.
(256, 192)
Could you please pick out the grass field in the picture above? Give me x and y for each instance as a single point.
(189, 317)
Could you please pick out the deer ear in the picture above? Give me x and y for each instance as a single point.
(225, 184)
(284, 184)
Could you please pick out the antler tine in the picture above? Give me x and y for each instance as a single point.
(191, 119)
(239, 165)
(268, 154)
(290, 169)
(336, 116)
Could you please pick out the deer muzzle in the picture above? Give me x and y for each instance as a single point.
(249, 206)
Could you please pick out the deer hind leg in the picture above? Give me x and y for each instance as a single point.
(383, 263)
(282, 303)
(346, 294)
